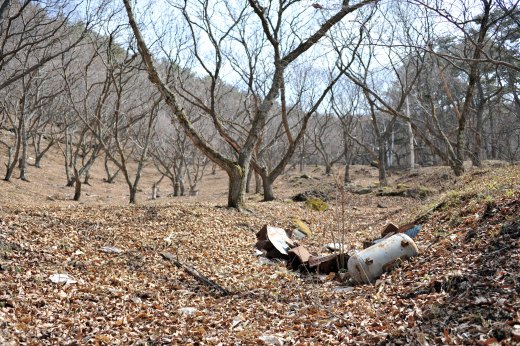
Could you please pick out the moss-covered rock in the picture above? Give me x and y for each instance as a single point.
(316, 204)
(301, 226)
(361, 190)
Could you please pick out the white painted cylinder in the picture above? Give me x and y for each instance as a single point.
(367, 265)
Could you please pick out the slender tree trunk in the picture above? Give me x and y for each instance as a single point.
(249, 178)
(77, 185)
(458, 163)
(381, 157)
(258, 183)
(86, 181)
(493, 135)
(176, 187)
(346, 176)
(13, 156)
(390, 152)
(68, 159)
(111, 177)
(411, 147)
(348, 161)
(477, 150)
(37, 154)
(182, 188)
(155, 189)
(302, 154)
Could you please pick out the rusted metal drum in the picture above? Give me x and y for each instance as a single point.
(367, 265)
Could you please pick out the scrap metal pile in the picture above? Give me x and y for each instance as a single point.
(364, 266)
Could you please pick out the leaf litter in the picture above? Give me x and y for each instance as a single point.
(463, 288)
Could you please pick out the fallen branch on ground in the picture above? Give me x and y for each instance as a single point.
(193, 272)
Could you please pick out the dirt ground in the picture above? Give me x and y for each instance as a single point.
(47, 185)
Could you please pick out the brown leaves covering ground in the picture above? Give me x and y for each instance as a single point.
(462, 289)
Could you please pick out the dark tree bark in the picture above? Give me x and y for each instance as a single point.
(77, 185)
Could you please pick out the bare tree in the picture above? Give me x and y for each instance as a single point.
(42, 30)
(326, 132)
(237, 167)
(168, 150)
(25, 104)
(345, 106)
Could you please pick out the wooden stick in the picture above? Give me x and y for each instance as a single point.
(193, 272)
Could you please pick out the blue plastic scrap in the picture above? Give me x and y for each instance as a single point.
(412, 232)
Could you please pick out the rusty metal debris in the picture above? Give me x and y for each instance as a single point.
(393, 229)
(364, 266)
(390, 228)
(324, 264)
(274, 241)
(299, 256)
(410, 229)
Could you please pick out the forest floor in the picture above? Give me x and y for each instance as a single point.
(463, 288)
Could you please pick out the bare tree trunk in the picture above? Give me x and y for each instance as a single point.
(13, 156)
(381, 157)
(77, 185)
(390, 151)
(458, 162)
(177, 186)
(133, 195)
(302, 154)
(38, 152)
(346, 176)
(68, 159)
(182, 188)
(348, 154)
(411, 147)
(86, 181)
(476, 158)
(267, 184)
(328, 168)
(493, 135)
(155, 189)
(110, 176)
(258, 183)
(249, 178)
(237, 187)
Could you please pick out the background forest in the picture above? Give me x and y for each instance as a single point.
(262, 88)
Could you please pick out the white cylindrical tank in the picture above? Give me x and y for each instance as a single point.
(367, 265)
